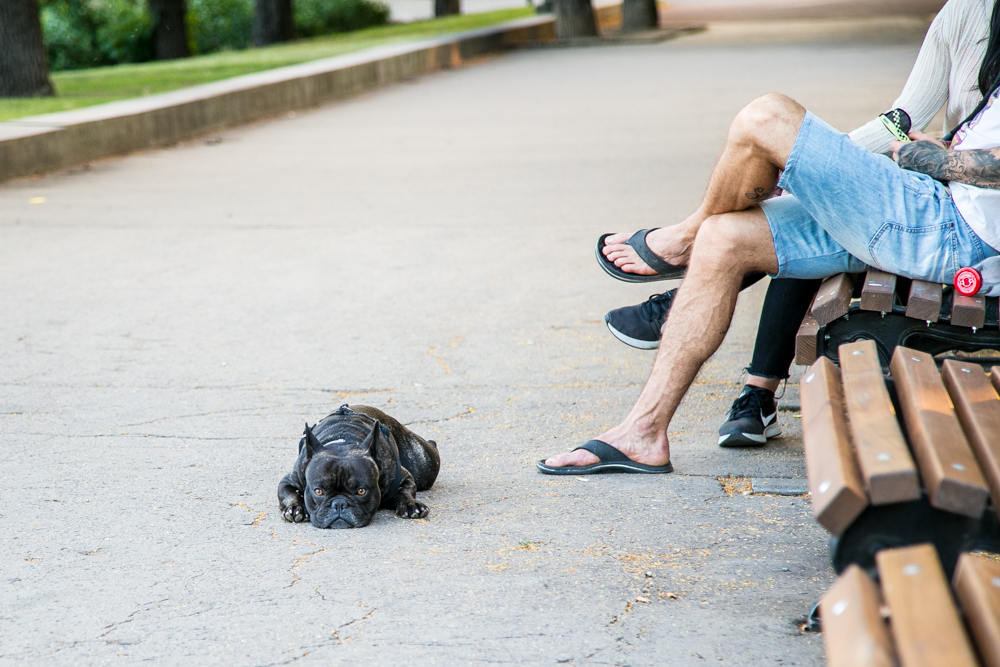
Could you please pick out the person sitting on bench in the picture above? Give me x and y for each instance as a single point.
(933, 211)
(947, 72)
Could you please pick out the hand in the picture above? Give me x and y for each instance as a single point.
(917, 135)
(894, 147)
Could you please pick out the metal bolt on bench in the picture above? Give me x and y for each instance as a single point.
(892, 311)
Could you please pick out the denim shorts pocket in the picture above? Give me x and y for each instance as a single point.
(926, 252)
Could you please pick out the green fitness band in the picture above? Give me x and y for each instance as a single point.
(893, 126)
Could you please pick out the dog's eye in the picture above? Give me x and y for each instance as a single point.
(318, 492)
(362, 491)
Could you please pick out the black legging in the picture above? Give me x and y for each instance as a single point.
(785, 305)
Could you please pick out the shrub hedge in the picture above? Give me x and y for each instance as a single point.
(93, 33)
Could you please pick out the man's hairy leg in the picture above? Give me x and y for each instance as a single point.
(727, 247)
(758, 145)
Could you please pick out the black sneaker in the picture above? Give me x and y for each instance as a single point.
(639, 326)
(752, 419)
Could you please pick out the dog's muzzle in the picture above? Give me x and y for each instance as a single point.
(338, 515)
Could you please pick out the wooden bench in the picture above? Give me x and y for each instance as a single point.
(894, 311)
(912, 617)
(909, 459)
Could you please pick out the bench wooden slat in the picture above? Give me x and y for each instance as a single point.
(950, 472)
(968, 311)
(995, 378)
(838, 496)
(878, 291)
(854, 632)
(924, 621)
(924, 302)
(978, 408)
(833, 298)
(887, 468)
(806, 341)
(977, 585)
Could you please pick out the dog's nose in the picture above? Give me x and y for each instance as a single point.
(338, 505)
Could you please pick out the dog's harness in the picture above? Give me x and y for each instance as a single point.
(397, 481)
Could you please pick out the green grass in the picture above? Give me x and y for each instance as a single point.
(83, 88)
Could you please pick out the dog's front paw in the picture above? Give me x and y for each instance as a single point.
(295, 514)
(412, 510)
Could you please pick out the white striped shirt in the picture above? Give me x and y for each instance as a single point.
(946, 72)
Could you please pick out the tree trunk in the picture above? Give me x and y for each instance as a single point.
(273, 22)
(639, 15)
(24, 72)
(447, 7)
(170, 38)
(575, 18)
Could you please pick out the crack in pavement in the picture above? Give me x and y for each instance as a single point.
(301, 560)
(128, 619)
(260, 515)
(336, 632)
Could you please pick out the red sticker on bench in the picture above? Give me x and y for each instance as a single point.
(968, 281)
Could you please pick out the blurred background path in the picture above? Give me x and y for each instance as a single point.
(709, 10)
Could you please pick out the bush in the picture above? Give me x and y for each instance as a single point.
(321, 17)
(217, 25)
(90, 33)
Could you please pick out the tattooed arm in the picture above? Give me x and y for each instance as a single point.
(979, 168)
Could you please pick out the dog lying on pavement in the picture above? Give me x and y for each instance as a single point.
(354, 462)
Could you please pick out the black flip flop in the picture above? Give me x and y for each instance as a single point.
(664, 270)
(611, 460)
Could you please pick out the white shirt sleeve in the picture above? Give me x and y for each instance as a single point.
(926, 90)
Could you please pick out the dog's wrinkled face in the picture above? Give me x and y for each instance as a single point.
(341, 491)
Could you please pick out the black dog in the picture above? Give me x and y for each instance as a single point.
(353, 462)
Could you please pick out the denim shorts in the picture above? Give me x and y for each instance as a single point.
(850, 208)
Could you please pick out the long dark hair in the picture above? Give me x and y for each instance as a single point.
(989, 71)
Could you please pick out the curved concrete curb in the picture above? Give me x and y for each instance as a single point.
(40, 144)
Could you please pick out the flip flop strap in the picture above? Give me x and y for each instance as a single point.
(605, 452)
(653, 261)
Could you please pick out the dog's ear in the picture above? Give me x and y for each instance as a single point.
(311, 443)
(370, 444)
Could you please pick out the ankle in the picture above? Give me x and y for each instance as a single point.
(646, 428)
(770, 384)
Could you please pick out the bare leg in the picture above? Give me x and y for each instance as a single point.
(727, 247)
(723, 247)
(759, 142)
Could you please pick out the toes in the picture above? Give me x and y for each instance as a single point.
(617, 239)
(577, 458)
(294, 514)
(413, 511)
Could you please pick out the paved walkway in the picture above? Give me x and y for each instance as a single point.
(170, 320)
(702, 10)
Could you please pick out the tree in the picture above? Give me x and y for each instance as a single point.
(273, 22)
(447, 7)
(24, 71)
(639, 15)
(170, 39)
(575, 18)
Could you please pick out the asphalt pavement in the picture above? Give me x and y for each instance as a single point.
(170, 320)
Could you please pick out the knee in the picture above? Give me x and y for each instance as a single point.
(722, 241)
(770, 111)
